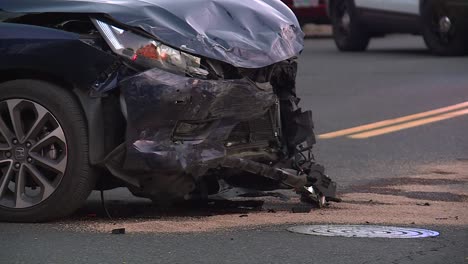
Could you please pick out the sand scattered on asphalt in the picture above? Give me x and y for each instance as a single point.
(405, 204)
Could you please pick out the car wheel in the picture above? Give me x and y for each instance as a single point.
(445, 30)
(348, 33)
(44, 168)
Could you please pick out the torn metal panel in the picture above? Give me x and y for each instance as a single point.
(248, 34)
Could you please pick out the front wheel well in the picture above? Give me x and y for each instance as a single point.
(103, 117)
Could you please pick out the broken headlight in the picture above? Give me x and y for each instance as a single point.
(148, 52)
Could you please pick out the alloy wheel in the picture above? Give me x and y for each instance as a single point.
(344, 18)
(33, 153)
(442, 24)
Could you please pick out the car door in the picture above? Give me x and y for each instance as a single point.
(401, 6)
(389, 16)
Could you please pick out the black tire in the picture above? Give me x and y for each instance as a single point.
(451, 43)
(350, 36)
(77, 180)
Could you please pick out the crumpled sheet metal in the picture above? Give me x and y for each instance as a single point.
(243, 33)
(156, 100)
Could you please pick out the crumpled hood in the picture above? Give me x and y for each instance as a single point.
(244, 33)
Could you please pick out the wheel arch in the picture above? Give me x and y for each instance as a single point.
(92, 108)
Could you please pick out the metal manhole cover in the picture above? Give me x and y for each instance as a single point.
(368, 231)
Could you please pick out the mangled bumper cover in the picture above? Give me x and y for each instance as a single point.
(160, 105)
(159, 102)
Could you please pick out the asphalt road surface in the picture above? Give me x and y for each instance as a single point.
(396, 79)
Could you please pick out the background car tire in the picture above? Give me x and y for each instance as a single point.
(348, 32)
(77, 181)
(451, 43)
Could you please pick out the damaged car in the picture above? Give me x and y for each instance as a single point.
(174, 100)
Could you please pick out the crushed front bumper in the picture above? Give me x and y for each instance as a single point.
(180, 124)
(179, 128)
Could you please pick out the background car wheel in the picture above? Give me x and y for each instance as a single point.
(445, 29)
(44, 169)
(348, 33)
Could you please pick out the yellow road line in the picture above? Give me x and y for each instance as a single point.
(389, 122)
(407, 125)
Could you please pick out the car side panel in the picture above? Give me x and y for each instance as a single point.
(401, 6)
(398, 6)
(389, 16)
(380, 22)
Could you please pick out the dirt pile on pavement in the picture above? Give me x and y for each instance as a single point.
(437, 195)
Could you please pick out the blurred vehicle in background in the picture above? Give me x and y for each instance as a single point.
(442, 23)
(309, 11)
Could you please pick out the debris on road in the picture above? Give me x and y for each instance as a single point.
(423, 204)
(446, 218)
(301, 209)
(118, 231)
(396, 208)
